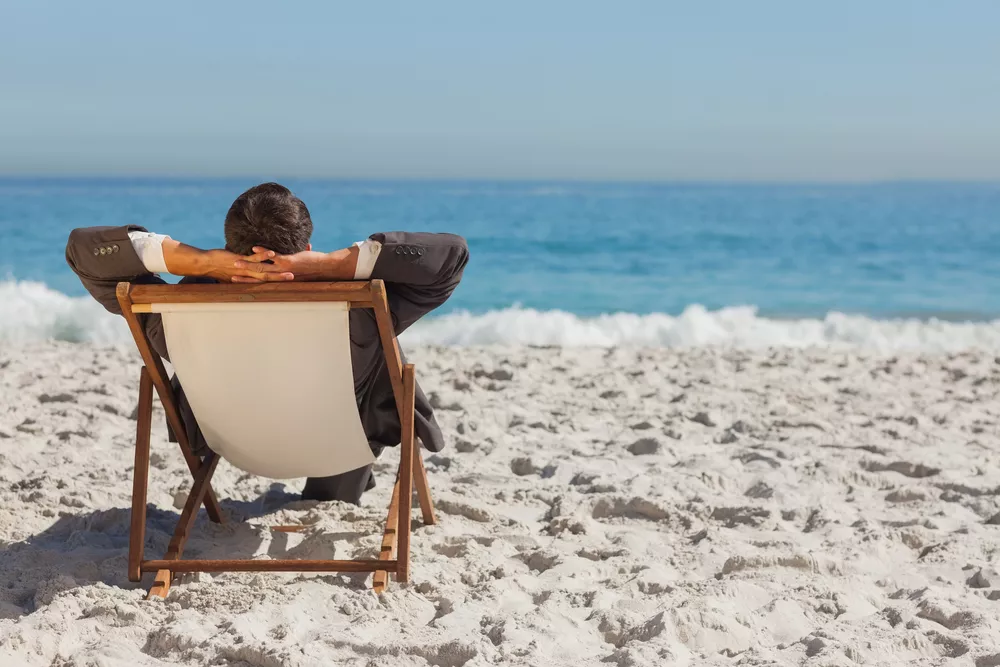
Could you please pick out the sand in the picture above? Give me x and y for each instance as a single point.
(597, 507)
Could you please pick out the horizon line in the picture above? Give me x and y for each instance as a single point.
(10, 176)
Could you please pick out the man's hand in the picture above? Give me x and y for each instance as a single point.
(305, 265)
(224, 266)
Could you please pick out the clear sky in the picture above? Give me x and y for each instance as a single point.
(762, 90)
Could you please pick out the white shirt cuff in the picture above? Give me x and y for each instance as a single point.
(149, 247)
(366, 259)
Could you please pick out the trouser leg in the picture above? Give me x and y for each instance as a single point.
(346, 487)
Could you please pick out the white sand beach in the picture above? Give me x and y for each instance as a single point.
(597, 507)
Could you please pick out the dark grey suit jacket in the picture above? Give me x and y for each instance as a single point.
(420, 271)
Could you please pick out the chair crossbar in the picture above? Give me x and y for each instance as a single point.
(271, 565)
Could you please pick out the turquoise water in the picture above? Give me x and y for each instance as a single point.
(789, 252)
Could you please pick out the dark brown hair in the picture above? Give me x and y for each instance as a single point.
(268, 215)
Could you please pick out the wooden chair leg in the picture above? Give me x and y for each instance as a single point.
(211, 502)
(161, 585)
(158, 375)
(381, 580)
(167, 399)
(140, 476)
(423, 489)
(405, 476)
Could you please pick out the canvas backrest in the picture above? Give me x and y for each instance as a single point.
(270, 383)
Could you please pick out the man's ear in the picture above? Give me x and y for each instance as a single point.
(309, 246)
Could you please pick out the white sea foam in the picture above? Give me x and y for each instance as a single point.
(31, 311)
(696, 326)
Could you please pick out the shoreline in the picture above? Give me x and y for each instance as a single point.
(31, 313)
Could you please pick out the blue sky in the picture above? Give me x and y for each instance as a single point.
(763, 90)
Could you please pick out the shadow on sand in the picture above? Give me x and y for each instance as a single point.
(92, 548)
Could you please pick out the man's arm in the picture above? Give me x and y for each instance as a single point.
(420, 270)
(104, 256)
(224, 266)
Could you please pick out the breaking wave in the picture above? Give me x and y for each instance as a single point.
(31, 311)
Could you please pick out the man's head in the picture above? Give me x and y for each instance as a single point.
(268, 215)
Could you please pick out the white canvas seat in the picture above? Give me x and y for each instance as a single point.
(267, 372)
(270, 384)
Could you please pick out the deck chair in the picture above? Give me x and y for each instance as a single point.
(306, 424)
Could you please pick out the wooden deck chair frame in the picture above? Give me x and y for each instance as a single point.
(394, 556)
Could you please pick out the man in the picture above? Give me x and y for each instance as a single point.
(267, 234)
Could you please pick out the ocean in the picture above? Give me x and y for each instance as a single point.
(881, 266)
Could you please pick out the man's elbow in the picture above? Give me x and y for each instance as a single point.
(75, 240)
(463, 246)
(459, 257)
(84, 252)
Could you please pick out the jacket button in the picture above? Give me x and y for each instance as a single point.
(114, 248)
(97, 251)
(399, 250)
(420, 251)
(104, 251)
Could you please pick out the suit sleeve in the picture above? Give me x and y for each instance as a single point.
(420, 270)
(102, 257)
